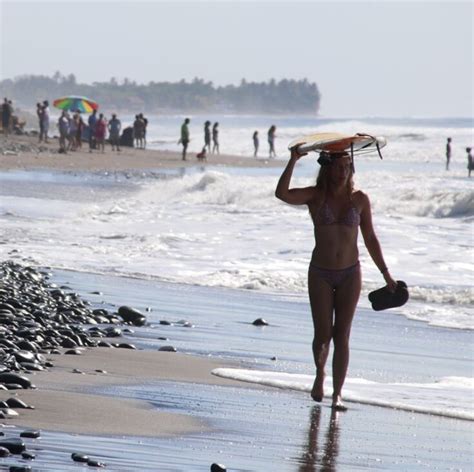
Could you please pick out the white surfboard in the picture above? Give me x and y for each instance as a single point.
(338, 142)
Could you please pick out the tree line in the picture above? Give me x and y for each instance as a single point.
(284, 96)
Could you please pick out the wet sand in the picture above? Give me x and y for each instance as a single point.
(63, 401)
(25, 153)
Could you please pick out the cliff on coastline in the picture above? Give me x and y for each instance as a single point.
(272, 97)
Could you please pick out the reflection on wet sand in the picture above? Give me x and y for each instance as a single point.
(322, 458)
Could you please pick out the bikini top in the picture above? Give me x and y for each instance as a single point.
(325, 216)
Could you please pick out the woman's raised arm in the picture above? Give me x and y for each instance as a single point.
(294, 196)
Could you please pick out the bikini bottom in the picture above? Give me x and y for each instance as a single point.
(334, 277)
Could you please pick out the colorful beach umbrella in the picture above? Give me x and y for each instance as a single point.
(73, 103)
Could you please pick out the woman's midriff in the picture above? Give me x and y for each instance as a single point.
(336, 247)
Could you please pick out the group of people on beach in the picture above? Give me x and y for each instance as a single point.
(470, 162)
(214, 136)
(210, 136)
(271, 141)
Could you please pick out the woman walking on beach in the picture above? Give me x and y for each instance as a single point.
(334, 276)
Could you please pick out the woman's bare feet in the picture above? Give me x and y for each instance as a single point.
(337, 403)
(317, 393)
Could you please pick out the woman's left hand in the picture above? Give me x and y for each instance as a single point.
(391, 284)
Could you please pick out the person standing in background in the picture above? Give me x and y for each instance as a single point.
(184, 139)
(100, 132)
(45, 119)
(115, 127)
(255, 143)
(145, 125)
(470, 163)
(215, 138)
(6, 117)
(271, 140)
(39, 114)
(92, 124)
(207, 136)
(448, 153)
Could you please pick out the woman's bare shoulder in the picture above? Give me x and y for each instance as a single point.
(360, 199)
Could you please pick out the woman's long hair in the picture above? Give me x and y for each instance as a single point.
(323, 181)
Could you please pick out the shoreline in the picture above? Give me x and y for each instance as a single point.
(25, 153)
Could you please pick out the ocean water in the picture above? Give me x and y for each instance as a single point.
(217, 226)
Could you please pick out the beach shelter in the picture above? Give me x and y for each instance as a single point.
(74, 103)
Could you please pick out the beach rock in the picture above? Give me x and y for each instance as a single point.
(165, 323)
(167, 349)
(94, 463)
(130, 315)
(218, 468)
(76, 457)
(74, 352)
(20, 468)
(17, 403)
(9, 412)
(28, 455)
(9, 378)
(126, 346)
(4, 452)
(30, 434)
(260, 322)
(14, 445)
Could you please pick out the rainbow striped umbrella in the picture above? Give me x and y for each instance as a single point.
(73, 103)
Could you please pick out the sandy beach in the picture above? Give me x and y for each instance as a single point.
(25, 153)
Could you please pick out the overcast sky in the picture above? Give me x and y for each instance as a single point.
(378, 58)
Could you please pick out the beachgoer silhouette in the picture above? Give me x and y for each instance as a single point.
(145, 125)
(202, 156)
(114, 126)
(39, 113)
(63, 127)
(470, 163)
(255, 143)
(184, 138)
(45, 120)
(100, 132)
(215, 138)
(207, 135)
(92, 121)
(138, 132)
(448, 153)
(334, 276)
(271, 140)
(6, 116)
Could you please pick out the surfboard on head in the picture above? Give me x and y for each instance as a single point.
(338, 142)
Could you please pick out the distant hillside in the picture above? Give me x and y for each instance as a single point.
(285, 96)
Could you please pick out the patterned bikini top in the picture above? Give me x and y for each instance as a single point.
(325, 217)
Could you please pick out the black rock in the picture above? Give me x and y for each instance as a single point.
(4, 452)
(28, 455)
(14, 445)
(10, 378)
(30, 434)
(260, 322)
(17, 403)
(218, 468)
(94, 463)
(130, 315)
(167, 349)
(76, 457)
(20, 468)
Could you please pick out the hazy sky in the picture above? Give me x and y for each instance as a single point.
(399, 58)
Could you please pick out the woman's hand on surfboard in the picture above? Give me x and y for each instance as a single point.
(295, 154)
